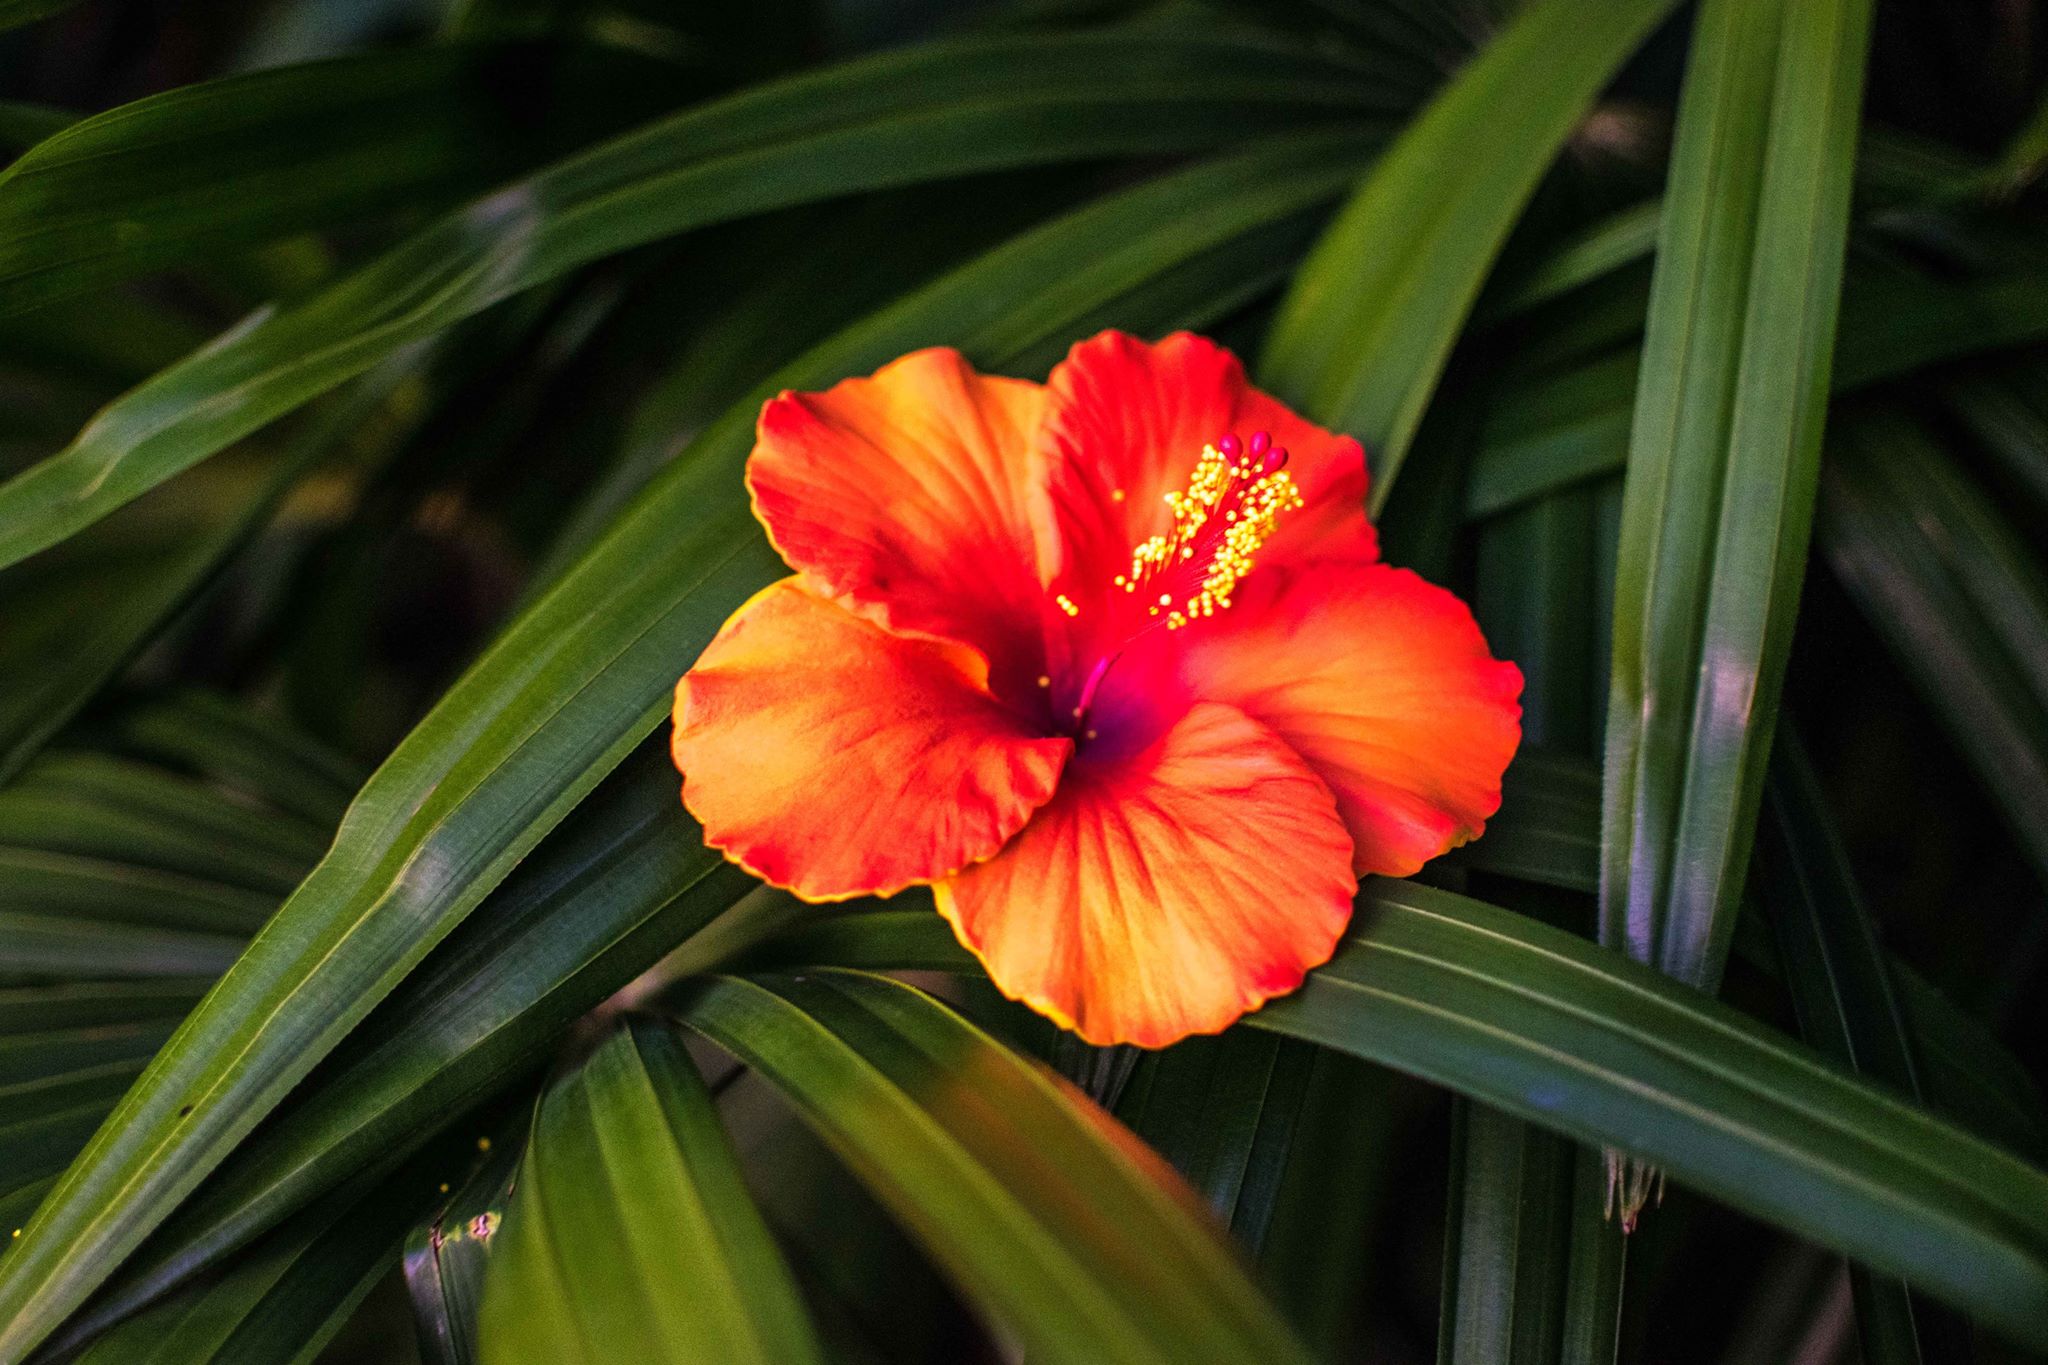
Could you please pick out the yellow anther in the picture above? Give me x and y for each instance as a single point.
(1220, 521)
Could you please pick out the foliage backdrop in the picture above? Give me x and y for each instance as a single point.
(377, 379)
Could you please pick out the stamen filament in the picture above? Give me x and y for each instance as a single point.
(1234, 497)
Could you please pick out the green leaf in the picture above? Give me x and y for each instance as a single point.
(1951, 586)
(1724, 459)
(1535, 580)
(1223, 1111)
(573, 684)
(110, 602)
(1847, 1008)
(446, 1259)
(96, 806)
(1558, 429)
(2003, 408)
(628, 1166)
(1508, 1243)
(23, 125)
(47, 1119)
(285, 1301)
(28, 1056)
(210, 169)
(1560, 1032)
(1594, 251)
(1364, 333)
(232, 743)
(63, 886)
(1078, 1241)
(624, 880)
(1547, 833)
(924, 114)
(95, 1003)
(1547, 830)
(1596, 1269)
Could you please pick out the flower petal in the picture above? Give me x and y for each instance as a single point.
(903, 496)
(833, 758)
(1383, 683)
(1165, 893)
(1125, 424)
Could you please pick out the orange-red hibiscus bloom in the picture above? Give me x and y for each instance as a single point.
(1110, 662)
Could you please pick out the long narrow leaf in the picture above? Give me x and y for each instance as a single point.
(1069, 1232)
(214, 167)
(1724, 458)
(926, 114)
(1848, 1009)
(628, 1163)
(1363, 335)
(566, 692)
(1558, 1031)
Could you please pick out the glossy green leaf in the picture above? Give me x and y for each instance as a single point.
(1533, 1261)
(285, 1300)
(1557, 1031)
(898, 118)
(615, 888)
(628, 1163)
(446, 1258)
(211, 168)
(1546, 833)
(1510, 1245)
(1559, 429)
(1553, 1029)
(571, 687)
(1223, 1111)
(1363, 335)
(1724, 458)
(1075, 1238)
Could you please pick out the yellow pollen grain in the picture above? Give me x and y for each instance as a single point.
(1066, 605)
(1116, 495)
(1232, 497)
(483, 1144)
(1044, 681)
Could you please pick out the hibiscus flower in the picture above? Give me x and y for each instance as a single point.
(1109, 662)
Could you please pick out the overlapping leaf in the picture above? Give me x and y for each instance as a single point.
(919, 115)
(1073, 1236)
(628, 1164)
(1363, 335)
(1553, 1029)
(574, 684)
